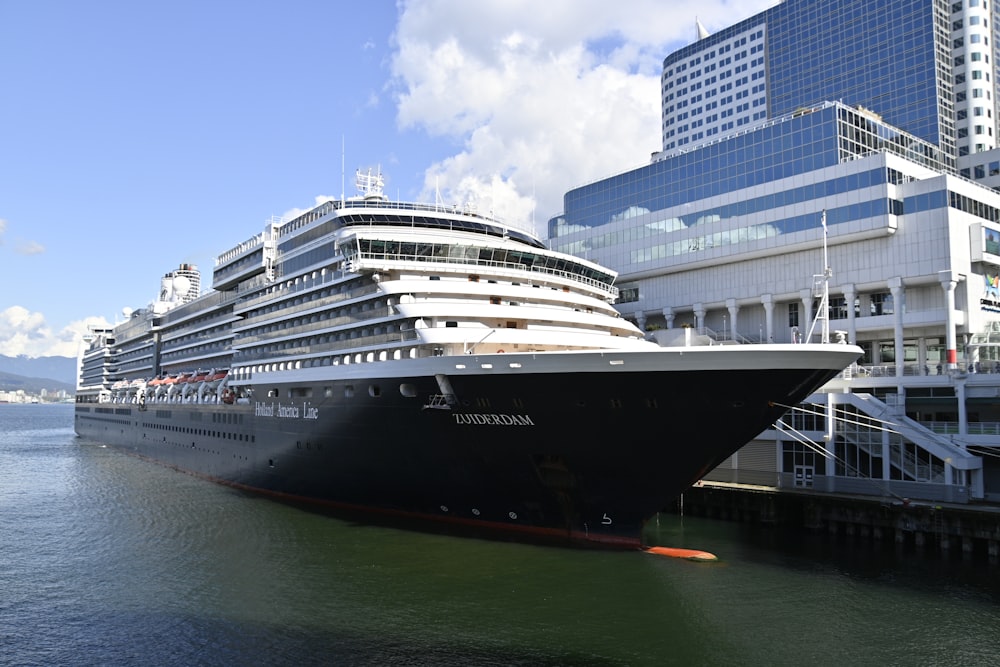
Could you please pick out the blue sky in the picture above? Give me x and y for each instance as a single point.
(135, 136)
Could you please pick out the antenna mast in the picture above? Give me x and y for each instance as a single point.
(821, 288)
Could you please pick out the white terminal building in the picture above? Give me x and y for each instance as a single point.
(843, 141)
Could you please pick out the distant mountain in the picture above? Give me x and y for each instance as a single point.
(40, 369)
(12, 382)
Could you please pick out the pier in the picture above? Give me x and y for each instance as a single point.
(971, 529)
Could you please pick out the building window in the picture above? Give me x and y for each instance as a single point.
(628, 295)
(881, 303)
(838, 308)
(793, 314)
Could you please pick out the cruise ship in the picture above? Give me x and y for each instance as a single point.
(427, 362)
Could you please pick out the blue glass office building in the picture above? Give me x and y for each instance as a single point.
(893, 57)
(672, 196)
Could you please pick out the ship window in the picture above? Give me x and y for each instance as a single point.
(349, 391)
(328, 392)
(511, 325)
(452, 324)
(408, 390)
(495, 300)
(374, 390)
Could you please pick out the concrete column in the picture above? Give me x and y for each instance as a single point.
(806, 321)
(949, 279)
(768, 301)
(886, 458)
(896, 289)
(699, 317)
(963, 413)
(640, 318)
(668, 315)
(852, 326)
(734, 310)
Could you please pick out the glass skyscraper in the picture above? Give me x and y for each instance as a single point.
(894, 58)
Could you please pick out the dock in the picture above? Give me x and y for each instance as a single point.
(972, 529)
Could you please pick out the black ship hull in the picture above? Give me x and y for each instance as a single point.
(583, 456)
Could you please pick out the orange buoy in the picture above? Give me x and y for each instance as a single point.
(689, 554)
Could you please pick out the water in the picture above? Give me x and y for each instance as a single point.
(106, 559)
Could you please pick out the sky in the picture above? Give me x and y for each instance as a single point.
(136, 136)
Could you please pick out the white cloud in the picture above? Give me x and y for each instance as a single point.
(543, 97)
(293, 213)
(30, 248)
(27, 333)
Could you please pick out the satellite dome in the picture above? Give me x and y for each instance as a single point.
(181, 286)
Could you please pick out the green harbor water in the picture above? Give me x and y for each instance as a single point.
(107, 559)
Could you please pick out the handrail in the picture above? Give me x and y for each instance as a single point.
(422, 261)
